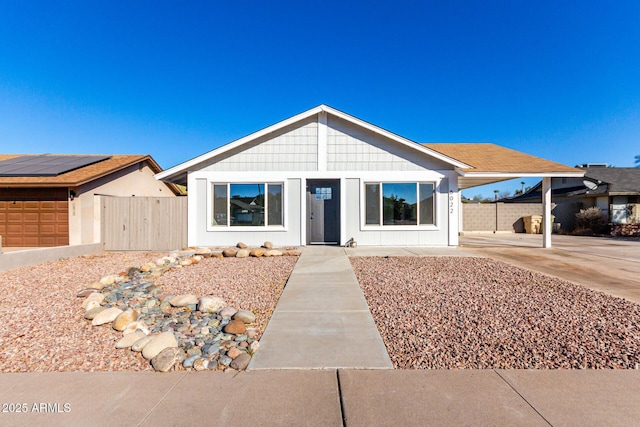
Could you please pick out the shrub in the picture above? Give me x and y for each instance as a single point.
(592, 221)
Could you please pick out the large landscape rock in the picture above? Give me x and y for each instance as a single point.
(241, 362)
(209, 304)
(258, 252)
(245, 315)
(123, 319)
(243, 253)
(183, 300)
(229, 253)
(142, 342)
(106, 316)
(159, 343)
(167, 359)
(128, 340)
(93, 300)
(235, 327)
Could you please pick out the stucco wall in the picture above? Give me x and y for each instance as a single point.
(84, 209)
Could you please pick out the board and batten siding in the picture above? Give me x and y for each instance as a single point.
(351, 148)
(143, 223)
(295, 148)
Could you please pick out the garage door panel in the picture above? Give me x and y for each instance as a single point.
(48, 229)
(31, 229)
(31, 205)
(13, 228)
(47, 217)
(47, 241)
(48, 205)
(31, 241)
(30, 217)
(10, 240)
(34, 223)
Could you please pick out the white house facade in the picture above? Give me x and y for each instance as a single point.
(322, 177)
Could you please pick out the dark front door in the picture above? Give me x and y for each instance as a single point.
(323, 211)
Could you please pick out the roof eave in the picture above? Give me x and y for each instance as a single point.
(472, 174)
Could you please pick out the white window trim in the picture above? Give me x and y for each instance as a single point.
(232, 228)
(381, 227)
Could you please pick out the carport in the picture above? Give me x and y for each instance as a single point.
(491, 163)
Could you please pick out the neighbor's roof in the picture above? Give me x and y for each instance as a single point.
(621, 181)
(81, 175)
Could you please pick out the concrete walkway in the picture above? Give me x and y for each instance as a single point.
(324, 398)
(322, 319)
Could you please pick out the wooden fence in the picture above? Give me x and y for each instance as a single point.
(143, 223)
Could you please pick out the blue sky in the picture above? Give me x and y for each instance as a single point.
(560, 80)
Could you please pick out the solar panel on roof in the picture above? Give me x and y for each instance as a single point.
(45, 165)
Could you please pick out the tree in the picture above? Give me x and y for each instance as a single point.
(504, 194)
(638, 161)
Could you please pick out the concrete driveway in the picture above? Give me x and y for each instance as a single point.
(599, 263)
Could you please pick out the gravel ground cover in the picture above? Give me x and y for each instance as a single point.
(455, 313)
(43, 328)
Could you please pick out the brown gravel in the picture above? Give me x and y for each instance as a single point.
(245, 283)
(446, 312)
(43, 328)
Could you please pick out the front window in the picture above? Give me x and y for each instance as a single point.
(257, 204)
(399, 203)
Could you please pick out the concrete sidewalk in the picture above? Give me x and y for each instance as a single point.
(323, 398)
(322, 319)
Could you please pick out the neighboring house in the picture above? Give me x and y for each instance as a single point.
(324, 177)
(48, 200)
(615, 191)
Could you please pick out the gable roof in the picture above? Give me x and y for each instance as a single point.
(81, 175)
(621, 181)
(177, 174)
(477, 164)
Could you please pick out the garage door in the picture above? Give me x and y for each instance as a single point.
(34, 223)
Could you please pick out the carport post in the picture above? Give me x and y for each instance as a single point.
(546, 212)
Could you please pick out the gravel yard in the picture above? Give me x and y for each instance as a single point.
(452, 313)
(43, 328)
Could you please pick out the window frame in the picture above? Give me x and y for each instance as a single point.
(388, 227)
(228, 227)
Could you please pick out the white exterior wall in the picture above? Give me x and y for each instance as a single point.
(84, 209)
(436, 235)
(201, 233)
(323, 148)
